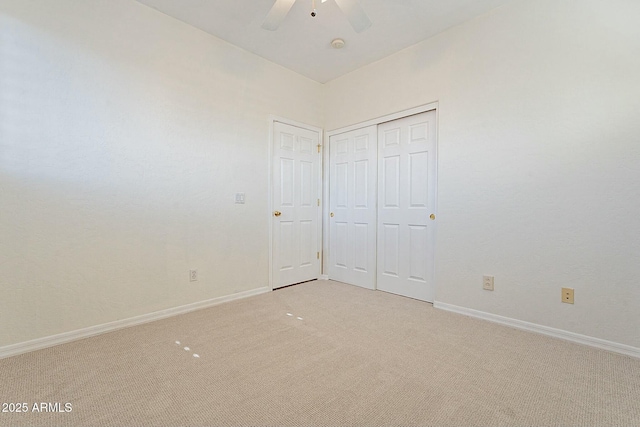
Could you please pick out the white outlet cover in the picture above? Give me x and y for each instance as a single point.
(240, 198)
(193, 275)
(487, 283)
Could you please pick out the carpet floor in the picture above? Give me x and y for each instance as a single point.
(321, 354)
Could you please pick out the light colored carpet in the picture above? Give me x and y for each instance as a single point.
(356, 357)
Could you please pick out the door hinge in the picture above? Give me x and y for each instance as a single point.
(318, 255)
(318, 202)
(319, 147)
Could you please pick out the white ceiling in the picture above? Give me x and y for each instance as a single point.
(302, 43)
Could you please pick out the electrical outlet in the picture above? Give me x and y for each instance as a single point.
(567, 295)
(193, 275)
(487, 283)
(240, 198)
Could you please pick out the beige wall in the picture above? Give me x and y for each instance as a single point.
(124, 136)
(539, 158)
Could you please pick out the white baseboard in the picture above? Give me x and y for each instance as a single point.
(53, 340)
(545, 330)
(323, 277)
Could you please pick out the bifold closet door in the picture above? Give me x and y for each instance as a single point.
(406, 206)
(352, 222)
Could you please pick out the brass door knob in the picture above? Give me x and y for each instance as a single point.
(331, 214)
(432, 216)
(277, 213)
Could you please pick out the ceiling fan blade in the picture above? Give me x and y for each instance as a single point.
(355, 14)
(277, 14)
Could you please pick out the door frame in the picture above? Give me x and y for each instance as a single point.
(273, 119)
(325, 181)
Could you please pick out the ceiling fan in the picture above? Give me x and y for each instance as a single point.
(351, 8)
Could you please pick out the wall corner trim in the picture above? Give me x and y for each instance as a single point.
(545, 330)
(65, 337)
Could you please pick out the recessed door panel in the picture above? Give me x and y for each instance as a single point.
(418, 132)
(341, 194)
(342, 146)
(362, 142)
(306, 184)
(306, 145)
(286, 141)
(390, 249)
(391, 181)
(391, 137)
(286, 247)
(361, 184)
(419, 179)
(307, 253)
(362, 244)
(286, 181)
(418, 252)
(340, 241)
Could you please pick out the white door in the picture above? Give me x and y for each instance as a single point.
(352, 222)
(407, 205)
(295, 205)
